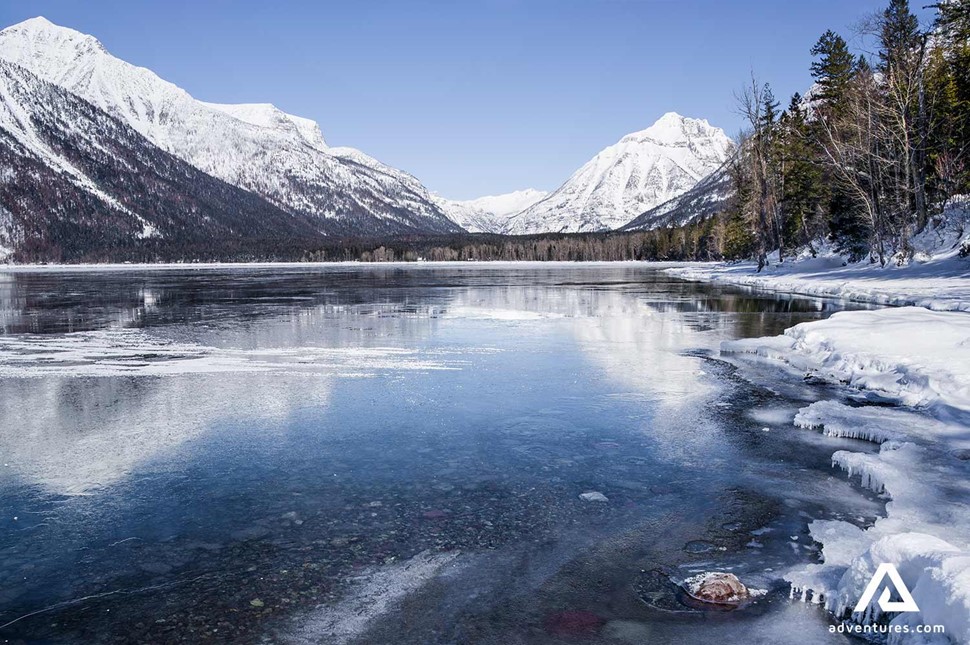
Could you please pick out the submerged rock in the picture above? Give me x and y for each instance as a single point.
(594, 496)
(719, 588)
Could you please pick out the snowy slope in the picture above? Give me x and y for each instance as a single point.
(76, 183)
(489, 214)
(267, 115)
(644, 169)
(256, 147)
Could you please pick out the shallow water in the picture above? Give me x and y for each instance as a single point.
(396, 454)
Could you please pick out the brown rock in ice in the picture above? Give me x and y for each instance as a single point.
(718, 588)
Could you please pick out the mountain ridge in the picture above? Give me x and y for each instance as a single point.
(77, 184)
(282, 159)
(489, 213)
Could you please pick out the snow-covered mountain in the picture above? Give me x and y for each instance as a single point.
(643, 170)
(79, 184)
(489, 214)
(256, 147)
(709, 196)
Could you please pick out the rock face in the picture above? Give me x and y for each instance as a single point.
(717, 588)
(643, 170)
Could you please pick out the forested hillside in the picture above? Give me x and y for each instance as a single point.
(869, 156)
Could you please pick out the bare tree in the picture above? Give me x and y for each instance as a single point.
(762, 203)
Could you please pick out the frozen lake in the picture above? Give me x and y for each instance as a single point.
(396, 454)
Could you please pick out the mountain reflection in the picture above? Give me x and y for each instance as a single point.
(103, 374)
(77, 435)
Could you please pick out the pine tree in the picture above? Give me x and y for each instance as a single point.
(838, 135)
(740, 237)
(953, 20)
(801, 177)
(899, 37)
(948, 91)
(833, 70)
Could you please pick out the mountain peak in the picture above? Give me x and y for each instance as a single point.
(35, 23)
(644, 169)
(670, 117)
(673, 128)
(40, 30)
(36, 20)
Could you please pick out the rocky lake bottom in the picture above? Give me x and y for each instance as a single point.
(453, 454)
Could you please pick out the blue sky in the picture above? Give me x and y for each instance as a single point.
(472, 97)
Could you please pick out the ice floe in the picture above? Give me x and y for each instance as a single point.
(136, 352)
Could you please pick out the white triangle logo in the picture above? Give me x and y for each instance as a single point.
(906, 602)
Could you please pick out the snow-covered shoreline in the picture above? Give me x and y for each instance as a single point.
(909, 355)
(922, 467)
(916, 355)
(940, 288)
(919, 360)
(936, 277)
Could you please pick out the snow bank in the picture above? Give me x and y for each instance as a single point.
(914, 357)
(935, 278)
(925, 533)
(909, 354)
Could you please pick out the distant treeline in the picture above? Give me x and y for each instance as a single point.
(699, 241)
